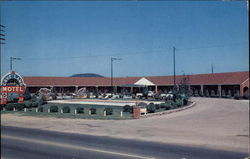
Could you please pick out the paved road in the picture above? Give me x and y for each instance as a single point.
(211, 123)
(26, 143)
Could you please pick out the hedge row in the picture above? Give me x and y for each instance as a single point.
(33, 103)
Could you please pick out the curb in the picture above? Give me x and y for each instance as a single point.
(168, 111)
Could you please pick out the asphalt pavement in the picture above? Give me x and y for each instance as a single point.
(27, 143)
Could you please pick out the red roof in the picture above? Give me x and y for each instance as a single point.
(204, 79)
(198, 79)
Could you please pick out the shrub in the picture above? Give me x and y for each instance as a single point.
(185, 101)
(28, 104)
(54, 109)
(157, 106)
(19, 106)
(92, 111)
(128, 108)
(80, 110)
(162, 105)
(34, 104)
(66, 109)
(109, 111)
(27, 95)
(174, 105)
(142, 104)
(151, 108)
(42, 101)
(40, 109)
(9, 106)
(179, 102)
(168, 107)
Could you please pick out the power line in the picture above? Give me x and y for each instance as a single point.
(106, 55)
(212, 46)
(132, 53)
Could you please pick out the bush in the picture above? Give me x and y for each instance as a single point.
(151, 108)
(80, 110)
(179, 102)
(128, 108)
(20, 106)
(9, 106)
(168, 107)
(185, 101)
(142, 104)
(40, 109)
(34, 104)
(174, 105)
(92, 111)
(162, 105)
(28, 104)
(66, 109)
(54, 109)
(17, 106)
(42, 101)
(157, 106)
(109, 111)
(27, 95)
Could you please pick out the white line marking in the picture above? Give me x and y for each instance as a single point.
(72, 146)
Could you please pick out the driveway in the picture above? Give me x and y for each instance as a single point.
(211, 123)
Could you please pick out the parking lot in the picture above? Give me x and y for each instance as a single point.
(212, 123)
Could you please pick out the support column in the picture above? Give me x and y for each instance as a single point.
(131, 89)
(76, 89)
(219, 90)
(202, 91)
(96, 89)
(156, 88)
(51, 88)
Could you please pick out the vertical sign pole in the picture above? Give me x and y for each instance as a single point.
(174, 68)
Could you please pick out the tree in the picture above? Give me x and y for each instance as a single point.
(184, 86)
(27, 95)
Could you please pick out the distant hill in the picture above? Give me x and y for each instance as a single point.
(86, 75)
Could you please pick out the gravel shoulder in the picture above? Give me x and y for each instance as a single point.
(211, 123)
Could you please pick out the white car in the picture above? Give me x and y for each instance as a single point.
(151, 94)
(139, 95)
(166, 95)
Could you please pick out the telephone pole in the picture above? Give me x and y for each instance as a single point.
(212, 68)
(12, 59)
(174, 68)
(113, 59)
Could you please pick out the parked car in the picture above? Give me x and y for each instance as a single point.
(168, 95)
(151, 94)
(139, 95)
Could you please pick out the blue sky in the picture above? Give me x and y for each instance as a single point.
(64, 38)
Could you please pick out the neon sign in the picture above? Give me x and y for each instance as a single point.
(12, 87)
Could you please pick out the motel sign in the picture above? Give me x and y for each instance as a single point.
(12, 87)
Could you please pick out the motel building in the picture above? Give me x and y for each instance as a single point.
(221, 84)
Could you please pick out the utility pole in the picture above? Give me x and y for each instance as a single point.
(2, 41)
(12, 59)
(113, 59)
(174, 67)
(212, 67)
